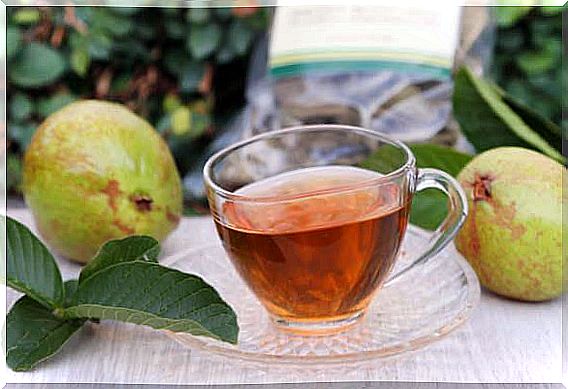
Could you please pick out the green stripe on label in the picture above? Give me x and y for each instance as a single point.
(296, 69)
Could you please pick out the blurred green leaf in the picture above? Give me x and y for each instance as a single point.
(21, 107)
(548, 84)
(13, 172)
(115, 23)
(191, 77)
(226, 53)
(223, 13)
(130, 52)
(13, 42)
(176, 29)
(144, 29)
(508, 16)
(239, 37)
(163, 124)
(550, 11)
(540, 31)
(26, 16)
(529, 68)
(100, 46)
(259, 20)
(200, 123)
(181, 120)
(198, 15)
(80, 61)
(48, 105)
(553, 47)
(171, 102)
(440, 157)
(428, 209)
(120, 83)
(77, 40)
(488, 122)
(386, 159)
(203, 40)
(175, 61)
(36, 66)
(96, 45)
(536, 62)
(511, 40)
(519, 90)
(170, 11)
(547, 129)
(22, 133)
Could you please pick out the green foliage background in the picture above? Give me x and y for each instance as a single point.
(528, 57)
(184, 69)
(181, 69)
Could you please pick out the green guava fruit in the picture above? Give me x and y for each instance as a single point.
(95, 171)
(512, 236)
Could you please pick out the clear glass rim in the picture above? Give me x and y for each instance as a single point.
(208, 168)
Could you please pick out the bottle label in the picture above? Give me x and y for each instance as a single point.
(418, 39)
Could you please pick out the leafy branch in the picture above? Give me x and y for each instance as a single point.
(122, 282)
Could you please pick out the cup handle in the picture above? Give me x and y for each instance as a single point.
(437, 179)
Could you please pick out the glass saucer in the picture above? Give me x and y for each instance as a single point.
(420, 307)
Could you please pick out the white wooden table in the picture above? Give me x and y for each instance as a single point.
(504, 341)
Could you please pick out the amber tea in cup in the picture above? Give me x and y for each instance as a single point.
(315, 241)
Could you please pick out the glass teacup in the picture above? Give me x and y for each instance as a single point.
(313, 217)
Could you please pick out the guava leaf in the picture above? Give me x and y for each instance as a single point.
(13, 174)
(198, 15)
(430, 207)
(203, 40)
(175, 29)
(36, 65)
(385, 159)
(440, 157)
(13, 42)
(21, 107)
(226, 53)
(536, 62)
(545, 127)
(53, 103)
(80, 60)
(115, 23)
(22, 132)
(26, 16)
(176, 61)
(191, 76)
(132, 248)
(33, 334)
(31, 268)
(70, 287)
(488, 122)
(149, 294)
(239, 37)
